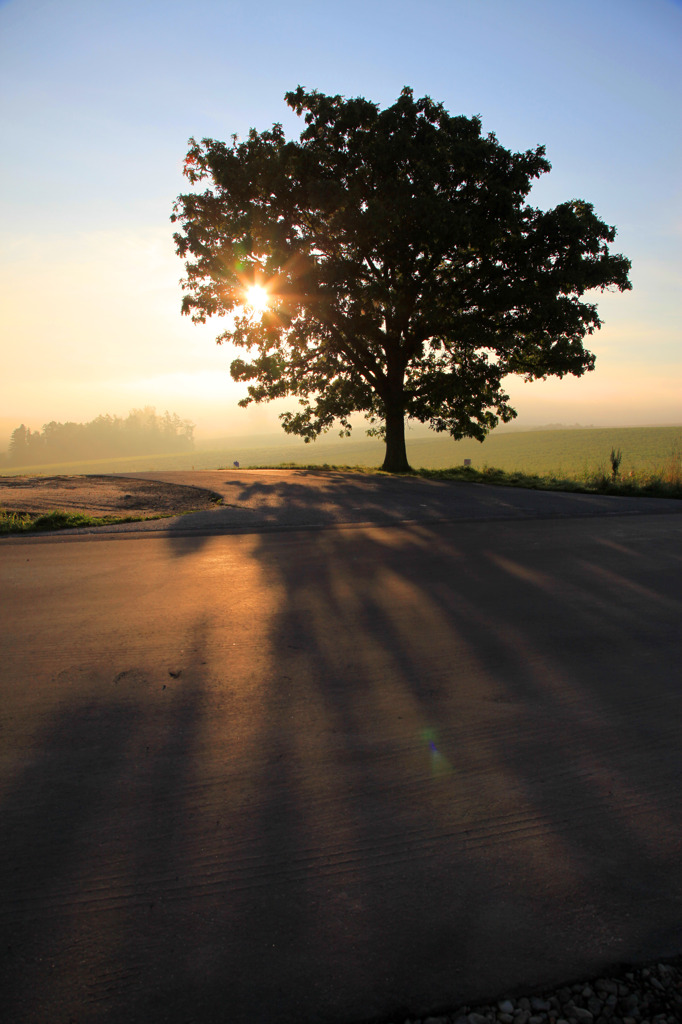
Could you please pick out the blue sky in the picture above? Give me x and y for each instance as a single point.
(99, 98)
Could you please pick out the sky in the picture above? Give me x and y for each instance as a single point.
(99, 98)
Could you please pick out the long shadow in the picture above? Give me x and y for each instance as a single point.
(469, 760)
(281, 500)
(46, 813)
(93, 821)
(401, 769)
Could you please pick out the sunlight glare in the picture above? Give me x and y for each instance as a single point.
(257, 297)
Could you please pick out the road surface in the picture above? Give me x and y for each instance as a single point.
(337, 774)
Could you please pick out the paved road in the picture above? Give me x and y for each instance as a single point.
(332, 775)
(292, 499)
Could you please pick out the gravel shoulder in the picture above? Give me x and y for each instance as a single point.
(646, 995)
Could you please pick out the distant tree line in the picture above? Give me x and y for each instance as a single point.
(142, 432)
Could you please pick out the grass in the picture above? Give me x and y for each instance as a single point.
(564, 452)
(26, 522)
(571, 453)
(662, 482)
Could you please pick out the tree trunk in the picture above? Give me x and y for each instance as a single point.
(396, 453)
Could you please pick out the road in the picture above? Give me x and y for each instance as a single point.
(326, 775)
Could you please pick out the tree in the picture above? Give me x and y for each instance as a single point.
(405, 274)
(18, 445)
(143, 432)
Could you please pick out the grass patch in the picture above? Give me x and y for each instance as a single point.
(664, 482)
(318, 467)
(27, 522)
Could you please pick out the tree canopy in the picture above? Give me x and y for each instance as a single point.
(405, 274)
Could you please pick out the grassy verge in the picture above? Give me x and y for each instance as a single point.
(319, 467)
(664, 482)
(26, 522)
(636, 485)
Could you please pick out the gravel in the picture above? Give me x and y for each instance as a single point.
(645, 995)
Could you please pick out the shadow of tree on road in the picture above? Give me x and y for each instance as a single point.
(400, 768)
(300, 499)
(467, 749)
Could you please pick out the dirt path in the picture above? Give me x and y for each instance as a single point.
(102, 495)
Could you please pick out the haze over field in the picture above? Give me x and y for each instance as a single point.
(101, 97)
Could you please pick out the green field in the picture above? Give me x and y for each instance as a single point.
(569, 452)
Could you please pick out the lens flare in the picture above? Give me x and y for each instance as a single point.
(257, 298)
(439, 763)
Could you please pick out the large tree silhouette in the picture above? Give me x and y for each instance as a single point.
(406, 275)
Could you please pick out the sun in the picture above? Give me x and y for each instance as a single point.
(257, 298)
